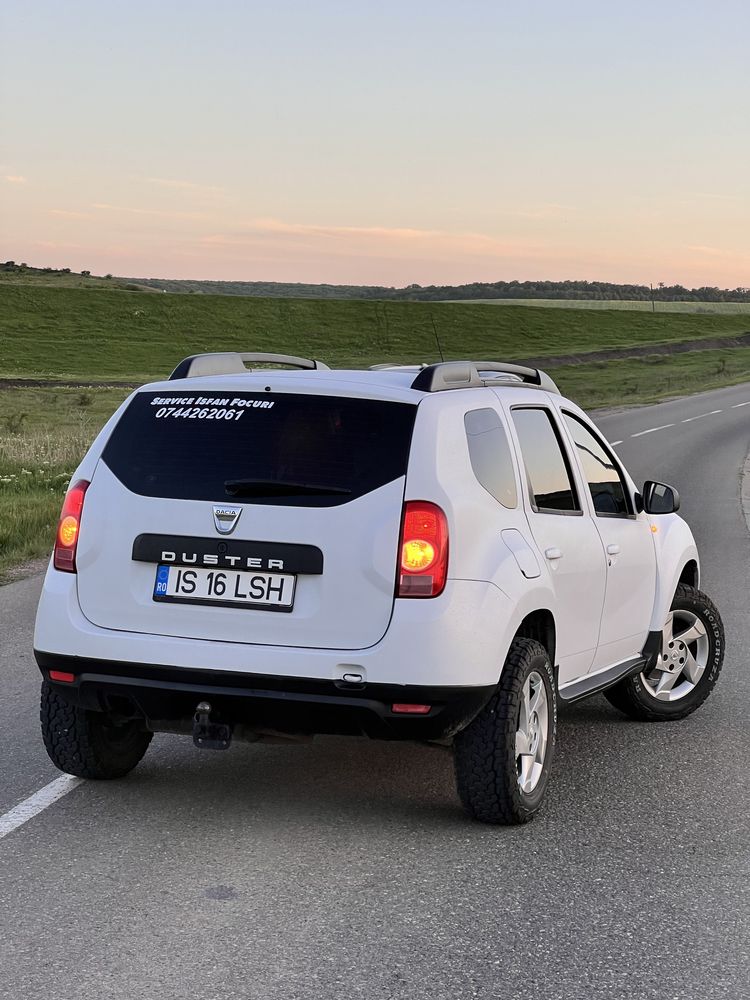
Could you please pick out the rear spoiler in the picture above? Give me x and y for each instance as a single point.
(232, 363)
(470, 374)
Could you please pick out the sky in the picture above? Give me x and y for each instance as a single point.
(378, 142)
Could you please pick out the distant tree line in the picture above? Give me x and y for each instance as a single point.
(10, 265)
(602, 290)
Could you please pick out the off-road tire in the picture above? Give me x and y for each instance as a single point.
(631, 696)
(86, 743)
(485, 751)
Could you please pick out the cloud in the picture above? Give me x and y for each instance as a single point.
(710, 251)
(15, 179)
(179, 185)
(158, 213)
(718, 252)
(544, 211)
(53, 245)
(713, 196)
(296, 228)
(368, 241)
(69, 215)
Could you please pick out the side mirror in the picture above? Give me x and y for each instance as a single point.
(658, 498)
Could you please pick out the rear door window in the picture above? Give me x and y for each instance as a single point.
(549, 475)
(290, 449)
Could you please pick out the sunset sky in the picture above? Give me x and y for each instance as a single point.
(378, 143)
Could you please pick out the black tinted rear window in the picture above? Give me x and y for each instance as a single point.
(270, 448)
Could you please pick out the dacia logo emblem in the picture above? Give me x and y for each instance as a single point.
(226, 518)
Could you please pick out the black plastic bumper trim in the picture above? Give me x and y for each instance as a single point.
(286, 704)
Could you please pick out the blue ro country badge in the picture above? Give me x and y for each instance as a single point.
(162, 579)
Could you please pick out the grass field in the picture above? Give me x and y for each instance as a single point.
(93, 334)
(638, 305)
(113, 334)
(632, 381)
(43, 434)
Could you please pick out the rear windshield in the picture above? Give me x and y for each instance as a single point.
(262, 447)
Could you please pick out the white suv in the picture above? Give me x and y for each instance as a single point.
(439, 553)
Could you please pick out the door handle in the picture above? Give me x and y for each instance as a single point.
(553, 554)
(613, 550)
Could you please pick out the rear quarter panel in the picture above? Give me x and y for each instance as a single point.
(440, 471)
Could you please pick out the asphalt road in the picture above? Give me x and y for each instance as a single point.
(347, 869)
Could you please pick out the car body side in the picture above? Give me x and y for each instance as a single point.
(458, 639)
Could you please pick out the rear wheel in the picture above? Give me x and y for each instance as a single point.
(503, 756)
(688, 665)
(89, 744)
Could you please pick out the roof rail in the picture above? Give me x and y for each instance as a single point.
(468, 374)
(232, 363)
(390, 366)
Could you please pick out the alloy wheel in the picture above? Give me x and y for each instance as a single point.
(532, 732)
(685, 649)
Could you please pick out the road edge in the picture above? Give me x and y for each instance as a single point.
(745, 490)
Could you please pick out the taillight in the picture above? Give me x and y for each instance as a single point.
(69, 527)
(423, 552)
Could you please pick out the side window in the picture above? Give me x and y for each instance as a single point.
(490, 454)
(550, 479)
(605, 482)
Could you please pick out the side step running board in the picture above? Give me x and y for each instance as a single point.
(593, 683)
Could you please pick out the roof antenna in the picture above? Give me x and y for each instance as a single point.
(437, 339)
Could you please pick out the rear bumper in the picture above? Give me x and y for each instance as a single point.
(459, 639)
(258, 705)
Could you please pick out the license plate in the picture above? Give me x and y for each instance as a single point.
(232, 588)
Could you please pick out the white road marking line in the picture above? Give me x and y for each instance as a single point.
(36, 803)
(651, 430)
(710, 414)
(687, 420)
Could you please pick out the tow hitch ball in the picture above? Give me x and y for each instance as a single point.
(208, 735)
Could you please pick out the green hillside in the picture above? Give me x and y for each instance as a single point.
(640, 305)
(527, 292)
(112, 334)
(94, 334)
(65, 278)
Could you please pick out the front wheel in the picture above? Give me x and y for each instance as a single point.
(89, 744)
(688, 665)
(503, 756)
